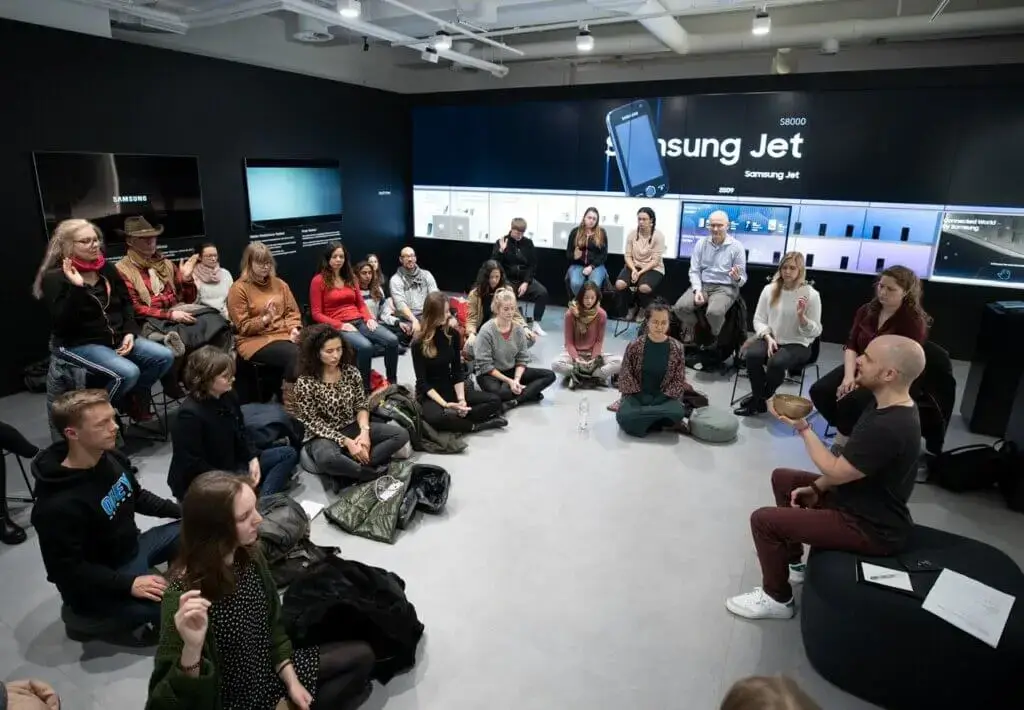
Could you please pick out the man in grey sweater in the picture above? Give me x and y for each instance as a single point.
(501, 356)
(409, 288)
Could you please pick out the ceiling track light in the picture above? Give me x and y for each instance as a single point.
(351, 9)
(584, 40)
(762, 23)
(442, 41)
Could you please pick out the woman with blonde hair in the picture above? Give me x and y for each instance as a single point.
(501, 352)
(767, 693)
(587, 251)
(440, 379)
(584, 356)
(786, 323)
(222, 642)
(93, 320)
(265, 314)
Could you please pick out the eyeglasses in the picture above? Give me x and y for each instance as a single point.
(88, 241)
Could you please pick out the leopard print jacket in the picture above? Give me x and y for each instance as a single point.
(325, 409)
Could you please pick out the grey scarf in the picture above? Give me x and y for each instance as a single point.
(412, 279)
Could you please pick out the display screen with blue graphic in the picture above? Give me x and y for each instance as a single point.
(293, 192)
(761, 228)
(640, 149)
(975, 246)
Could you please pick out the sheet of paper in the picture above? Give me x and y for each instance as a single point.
(970, 606)
(311, 507)
(886, 576)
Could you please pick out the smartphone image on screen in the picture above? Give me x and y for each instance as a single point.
(798, 227)
(844, 262)
(810, 260)
(822, 229)
(876, 232)
(905, 234)
(776, 257)
(849, 230)
(879, 264)
(634, 138)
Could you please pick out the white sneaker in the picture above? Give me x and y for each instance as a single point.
(758, 605)
(797, 572)
(537, 329)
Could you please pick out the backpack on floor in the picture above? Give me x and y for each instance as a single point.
(974, 467)
(284, 538)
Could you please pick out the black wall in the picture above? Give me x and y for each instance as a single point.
(991, 96)
(64, 91)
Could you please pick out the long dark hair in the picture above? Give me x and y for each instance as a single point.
(907, 280)
(346, 273)
(209, 535)
(483, 279)
(435, 316)
(654, 221)
(375, 288)
(311, 342)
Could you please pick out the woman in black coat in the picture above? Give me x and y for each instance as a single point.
(209, 433)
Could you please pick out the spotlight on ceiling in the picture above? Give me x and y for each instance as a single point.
(762, 23)
(584, 40)
(442, 41)
(350, 8)
(429, 55)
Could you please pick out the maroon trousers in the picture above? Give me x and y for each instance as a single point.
(781, 532)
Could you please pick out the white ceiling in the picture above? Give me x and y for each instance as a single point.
(634, 39)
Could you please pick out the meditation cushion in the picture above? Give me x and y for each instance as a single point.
(306, 462)
(714, 425)
(883, 647)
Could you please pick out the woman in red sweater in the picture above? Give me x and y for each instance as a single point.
(896, 310)
(336, 300)
(584, 357)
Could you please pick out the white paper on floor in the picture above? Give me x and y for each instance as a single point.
(970, 606)
(311, 507)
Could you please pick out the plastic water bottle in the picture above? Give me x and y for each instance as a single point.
(584, 411)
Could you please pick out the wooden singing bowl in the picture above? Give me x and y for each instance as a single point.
(791, 406)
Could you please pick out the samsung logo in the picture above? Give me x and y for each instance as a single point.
(121, 199)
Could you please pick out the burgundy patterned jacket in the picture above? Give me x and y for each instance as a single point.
(674, 385)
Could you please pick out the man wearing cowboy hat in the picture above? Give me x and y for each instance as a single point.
(164, 296)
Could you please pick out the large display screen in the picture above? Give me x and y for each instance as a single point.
(762, 229)
(293, 191)
(865, 175)
(981, 246)
(105, 188)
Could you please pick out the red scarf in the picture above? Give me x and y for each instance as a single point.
(89, 265)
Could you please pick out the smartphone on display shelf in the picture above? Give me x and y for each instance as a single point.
(879, 265)
(876, 232)
(809, 261)
(634, 140)
(797, 228)
(776, 257)
(844, 263)
(905, 234)
(822, 229)
(849, 230)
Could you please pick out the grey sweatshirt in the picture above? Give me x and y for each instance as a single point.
(493, 352)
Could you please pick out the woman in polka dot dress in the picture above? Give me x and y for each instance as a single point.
(222, 645)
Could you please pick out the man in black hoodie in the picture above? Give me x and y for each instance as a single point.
(518, 258)
(87, 498)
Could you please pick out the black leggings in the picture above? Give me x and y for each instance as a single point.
(840, 413)
(483, 406)
(536, 294)
(767, 373)
(345, 670)
(534, 380)
(281, 357)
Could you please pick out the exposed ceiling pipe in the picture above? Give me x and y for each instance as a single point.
(444, 24)
(155, 19)
(652, 15)
(368, 29)
(847, 31)
(233, 12)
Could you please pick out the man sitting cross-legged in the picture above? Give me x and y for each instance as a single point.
(85, 519)
(859, 502)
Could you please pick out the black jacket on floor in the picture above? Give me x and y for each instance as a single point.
(85, 520)
(102, 314)
(208, 435)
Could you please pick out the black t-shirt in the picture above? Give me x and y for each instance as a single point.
(884, 446)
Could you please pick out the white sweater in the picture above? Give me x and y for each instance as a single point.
(781, 320)
(216, 295)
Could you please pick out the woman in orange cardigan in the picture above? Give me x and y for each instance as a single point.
(264, 313)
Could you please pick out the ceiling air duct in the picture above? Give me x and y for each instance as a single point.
(312, 31)
(654, 17)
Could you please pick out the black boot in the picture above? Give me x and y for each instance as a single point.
(10, 533)
(750, 407)
(496, 423)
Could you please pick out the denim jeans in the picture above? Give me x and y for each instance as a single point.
(156, 546)
(363, 341)
(146, 363)
(277, 465)
(576, 278)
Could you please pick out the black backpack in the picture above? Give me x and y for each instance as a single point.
(284, 537)
(975, 467)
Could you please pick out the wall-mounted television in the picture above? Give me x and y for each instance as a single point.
(105, 188)
(291, 192)
(762, 229)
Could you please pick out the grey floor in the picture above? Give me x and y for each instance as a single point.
(571, 570)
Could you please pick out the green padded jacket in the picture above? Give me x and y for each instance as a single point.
(170, 688)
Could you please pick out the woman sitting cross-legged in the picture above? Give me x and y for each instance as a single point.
(209, 433)
(489, 279)
(584, 356)
(330, 400)
(222, 643)
(786, 322)
(501, 356)
(336, 299)
(93, 319)
(440, 380)
(653, 378)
